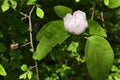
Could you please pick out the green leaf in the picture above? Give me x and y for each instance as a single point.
(43, 30)
(99, 57)
(23, 76)
(2, 47)
(1, 35)
(112, 3)
(39, 12)
(2, 71)
(96, 29)
(51, 34)
(24, 67)
(73, 47)
(13, 3)
(30, 73)
(61, 11)
(31, 2)
(77, 1)
(5, 6)
(106, 2)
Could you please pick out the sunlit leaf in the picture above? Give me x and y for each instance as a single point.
(30, 73)
(112, 3)
(5, 6)
(2, 71)
(23, 76)
(31, 2)
(39, 12)
(99, 57)
(13, 3)
(77, 0)
(24, 67)
(96, 29)
(61, 11)
(106, 2)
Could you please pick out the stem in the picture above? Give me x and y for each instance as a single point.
(93, 11)
(37, 73)
(30, 27)
(31, 39)
(102, 18)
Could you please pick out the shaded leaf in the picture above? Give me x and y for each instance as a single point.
(61, 11)
(96, 29)
(73, 46)
(1, 35)
(2, 47)
(51, 34)
(99, 57)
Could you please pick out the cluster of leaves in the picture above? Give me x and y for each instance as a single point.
(61, 56)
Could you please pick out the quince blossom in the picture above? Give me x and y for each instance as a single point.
(76, 23)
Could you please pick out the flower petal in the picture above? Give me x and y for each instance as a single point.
(69, 22)
(79, 15)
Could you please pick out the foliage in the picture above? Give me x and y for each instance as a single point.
(35, 45)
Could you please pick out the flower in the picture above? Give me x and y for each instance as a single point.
(76, 23)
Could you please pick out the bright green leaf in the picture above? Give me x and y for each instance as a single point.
(2, 71)
(39, 12)
(24, 67)
(2, 47)
(23, 76)
(96, 29)
(5, 6)
(30, 73)
(61, 11)
(112, 3)
(99, 57)
(106, 2)
(50, 35)
(77, 1)
(31, 2)
(13, 3)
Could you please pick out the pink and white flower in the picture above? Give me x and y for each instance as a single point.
(76, 23)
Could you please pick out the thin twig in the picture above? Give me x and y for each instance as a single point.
(36, 64)
(31, 39)
(25, 44)
(93, 10)
(102, 18)
(25, 15)
(30, 27)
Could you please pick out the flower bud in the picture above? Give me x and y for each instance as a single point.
(75, 23)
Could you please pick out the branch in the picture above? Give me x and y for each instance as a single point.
(30, 27)
(93, 11)
(31, 39)
(102, 18)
